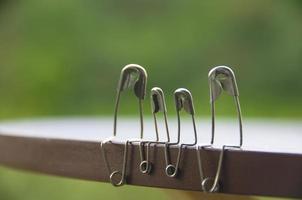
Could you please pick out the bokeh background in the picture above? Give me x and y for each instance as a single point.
(60, 58)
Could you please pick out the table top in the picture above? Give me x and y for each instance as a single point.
(258, 134)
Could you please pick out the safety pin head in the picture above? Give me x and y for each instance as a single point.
(135, 76)
(158, 100)
(184, 100)
(222, 78)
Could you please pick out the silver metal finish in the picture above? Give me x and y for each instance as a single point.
(220, 78)
(223, 78)
(119, 174)
(183, 100)
(132, 76)
(158, 104)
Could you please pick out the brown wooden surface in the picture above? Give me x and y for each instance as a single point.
(244, 172)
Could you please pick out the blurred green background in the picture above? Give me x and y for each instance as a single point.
(64, 58)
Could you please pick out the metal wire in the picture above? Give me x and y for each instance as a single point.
(135, 76)
(220, 78)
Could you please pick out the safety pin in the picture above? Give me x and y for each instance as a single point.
(223, 78)
(220, 78)
(183, 100)
(158, 104)
(135, 76)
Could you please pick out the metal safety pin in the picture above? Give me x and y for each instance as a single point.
(158, 104)
(223, 78)
(183, 100)
(135, 76)
(220, 78)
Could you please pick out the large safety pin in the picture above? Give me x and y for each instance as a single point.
(183, 100)
(223, 78)
(135, 76)
(220, 78)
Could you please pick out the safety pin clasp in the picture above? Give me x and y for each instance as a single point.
(135, 76)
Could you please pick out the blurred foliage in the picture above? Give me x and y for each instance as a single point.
(64, 57)
(27, 186)
(15, 185)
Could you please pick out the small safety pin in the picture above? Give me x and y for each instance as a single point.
(158, 104)
(135, 76)
(220, 78)
(183, 100)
